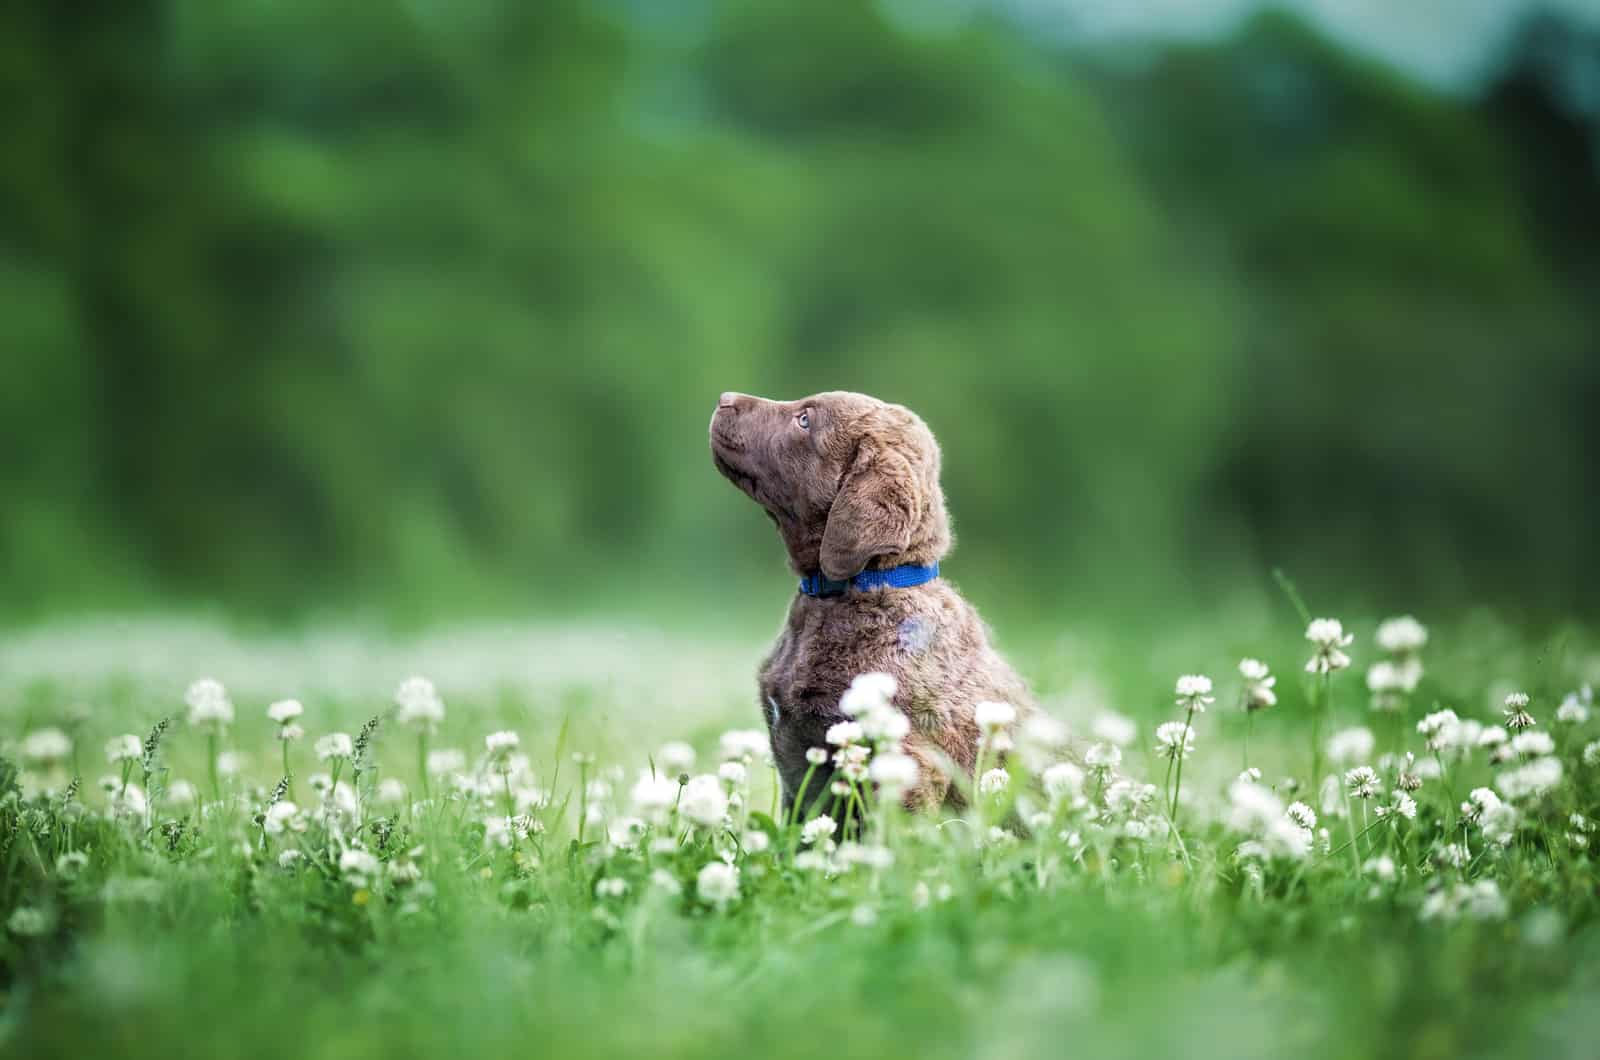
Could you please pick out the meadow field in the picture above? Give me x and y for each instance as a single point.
(564, 841)
(362, 356)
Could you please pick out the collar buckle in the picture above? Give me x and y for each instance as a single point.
(820, 584)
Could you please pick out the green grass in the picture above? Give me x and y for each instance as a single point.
(203, 945)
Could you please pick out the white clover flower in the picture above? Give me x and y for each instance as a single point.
(124, 748)
(73, 862)
(285, 710)
(230, 763)
(885, 726)
(814, 861)
(1114, 729)
(666, 882)
(625, 832)
(1479, 802)
(921, 896)
(851, 762)
(281, 816)
(717, 884)
(500, 830)
(1390, 682)
(208, 704)
(128, 800)
(755, 842)
(818, 828)
(1402, 636)
(1251, 775)
(1362, 782)
(1103, 758)
(287, 859)
(703, 801)
(843, 733)
(1251, 807)
(1042, 732)
(1003, 837)
(675, 757)
(1194, 692)
(1572, 711)
(418, 704)
(1531, 780)
(27, 922)
(46, 746)
(1063, 782)
(1350, 745)
(334, 745)
(744, 745)
(893, 772)
(446, 760)
(1481, 900)
(992, 716)
(182, 793)
(1433, 725)
(501, 744)
(816, 755)
(1283, 838)
(1329, 640)
(1591, 754)
(1124, 796)
(868, 693)
(1407, 775)
(610, 887)
(358, 867)
(338, 803)
(1174, 740)
(867, 855)
(1403, 806)
(1381, 868)
(1532, 744)
(1485, 902)
(1491, 736)
(290, 733)
(391, 791)
(1302, 815)
(1516, 712)
(733, 774)
(994, 782)
(1258, 685)
(882, 685)
(1499, 823)
(404, 871)
(1257, 811)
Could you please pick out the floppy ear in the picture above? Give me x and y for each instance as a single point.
(874, 513)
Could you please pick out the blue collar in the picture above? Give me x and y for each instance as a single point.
(905, 577)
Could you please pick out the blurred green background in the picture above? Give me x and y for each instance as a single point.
(421, 309)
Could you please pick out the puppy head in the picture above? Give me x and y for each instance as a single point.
(849, 480)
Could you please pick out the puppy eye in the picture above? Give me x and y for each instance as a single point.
(804, 419)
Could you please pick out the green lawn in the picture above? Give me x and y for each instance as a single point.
(1065, 918)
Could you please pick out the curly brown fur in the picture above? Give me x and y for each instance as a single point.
(852, 484)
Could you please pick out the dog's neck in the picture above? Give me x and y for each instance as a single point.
(929, 544)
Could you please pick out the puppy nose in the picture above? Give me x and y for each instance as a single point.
(726, 400)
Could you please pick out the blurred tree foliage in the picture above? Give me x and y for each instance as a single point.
(429, 303)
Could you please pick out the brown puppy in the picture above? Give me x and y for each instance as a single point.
(852, 484)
